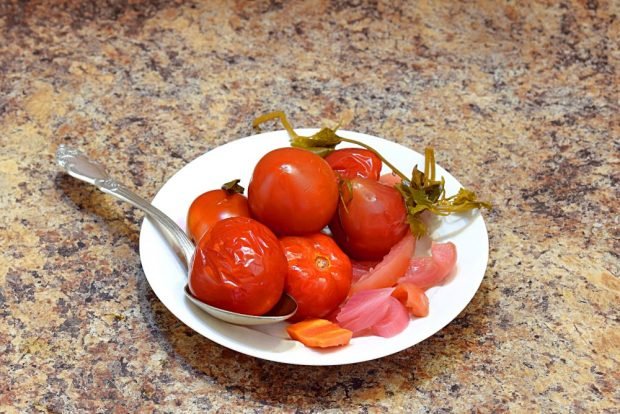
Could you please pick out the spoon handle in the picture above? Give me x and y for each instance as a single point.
(82, 168)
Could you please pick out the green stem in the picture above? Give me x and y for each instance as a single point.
(276, 115)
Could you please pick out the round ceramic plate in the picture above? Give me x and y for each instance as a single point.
(167, 276)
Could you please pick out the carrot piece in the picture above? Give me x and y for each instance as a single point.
(412, 297)
(319, 333)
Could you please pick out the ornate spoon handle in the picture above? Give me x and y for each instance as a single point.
(80, 167)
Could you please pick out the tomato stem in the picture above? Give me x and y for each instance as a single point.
(276, 115)
(233, 187)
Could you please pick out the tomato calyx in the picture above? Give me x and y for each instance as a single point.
(233, 187)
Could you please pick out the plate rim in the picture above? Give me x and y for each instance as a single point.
(147, 227)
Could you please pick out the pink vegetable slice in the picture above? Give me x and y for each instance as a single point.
(364, 310)
(390, 269)
(426, 272)
(395, 320)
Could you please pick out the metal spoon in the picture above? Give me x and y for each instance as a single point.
(80, 167)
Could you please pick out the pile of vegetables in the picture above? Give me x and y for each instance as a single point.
(358, 278)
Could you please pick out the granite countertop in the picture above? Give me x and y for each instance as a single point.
(521, 103)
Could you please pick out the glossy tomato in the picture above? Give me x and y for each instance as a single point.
(211, 207)
(293, 192)
(371, 218)
(355, 162)
(390, 179)
(239, 266)
(319, 274)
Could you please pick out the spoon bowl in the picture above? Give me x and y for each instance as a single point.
(285, 308)
(81, 167)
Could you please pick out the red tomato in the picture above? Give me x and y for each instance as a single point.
(319, 274)
(355, 162)
(293, 192)
(371, 219)
(239, 266)
(390, 179)
(211, 207)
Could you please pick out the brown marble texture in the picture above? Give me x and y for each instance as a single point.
(520, 100)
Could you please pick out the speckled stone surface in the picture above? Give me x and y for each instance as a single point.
(520, 100)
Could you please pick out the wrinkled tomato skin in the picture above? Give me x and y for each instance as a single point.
(211, 207)
(372, 221)
(239, 266)
(319, 274)
(355, 162)
(293, 192)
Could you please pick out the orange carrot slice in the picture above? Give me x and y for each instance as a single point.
(413, 297)
(319, 333)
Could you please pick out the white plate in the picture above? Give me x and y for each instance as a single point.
(236, 159)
